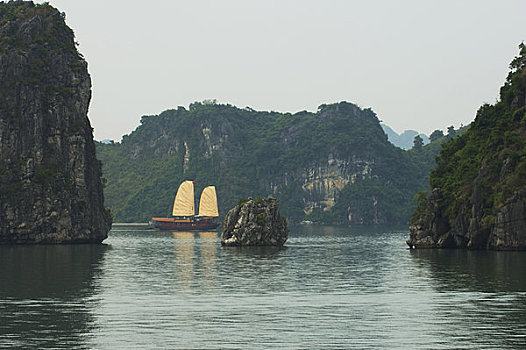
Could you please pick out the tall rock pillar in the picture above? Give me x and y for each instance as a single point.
(50, 178)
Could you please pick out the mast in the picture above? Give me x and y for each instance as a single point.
(184, 200)
(208, 202)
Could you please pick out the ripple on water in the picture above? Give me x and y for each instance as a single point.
(330, 287)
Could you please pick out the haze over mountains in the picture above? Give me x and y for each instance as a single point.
(404, 140)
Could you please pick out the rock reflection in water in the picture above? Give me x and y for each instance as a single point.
(43, 291)
(258, 269)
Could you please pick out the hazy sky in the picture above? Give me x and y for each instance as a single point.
(418, 64)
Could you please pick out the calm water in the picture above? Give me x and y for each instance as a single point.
(330, 287)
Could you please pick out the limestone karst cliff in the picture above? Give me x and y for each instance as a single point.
(50, 179)
(333, 166)
(478, 196)
(255, 222)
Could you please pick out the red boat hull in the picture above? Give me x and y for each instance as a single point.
(184, 225)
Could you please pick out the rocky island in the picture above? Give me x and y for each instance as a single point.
(255, 223)
(478, 196)
(50, 179)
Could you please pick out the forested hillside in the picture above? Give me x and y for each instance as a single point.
(478, 197)
(334, 165)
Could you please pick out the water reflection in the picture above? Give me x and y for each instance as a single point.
(207, 257)
(481, 293)
(329, 287)
(481, 271)
(43, 294)
(255, 269)
(195, 258)
(262, 252)
(184, 258)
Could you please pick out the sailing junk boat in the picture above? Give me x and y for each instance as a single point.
(183, 212)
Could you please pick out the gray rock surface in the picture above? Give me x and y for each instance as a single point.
(508, 232)
(50, 179)
(255, 223)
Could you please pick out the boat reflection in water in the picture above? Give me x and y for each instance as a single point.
(193, 266)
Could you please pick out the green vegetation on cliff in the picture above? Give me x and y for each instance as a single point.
(479, 173)
(334, 165)
(494, 149)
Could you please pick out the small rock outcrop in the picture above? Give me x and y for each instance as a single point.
(255, 223)
(50, 178)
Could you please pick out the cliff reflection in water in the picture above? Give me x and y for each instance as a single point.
(43, 291)
(487, 289)
(475, 271)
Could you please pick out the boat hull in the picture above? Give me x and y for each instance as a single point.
(184, 225)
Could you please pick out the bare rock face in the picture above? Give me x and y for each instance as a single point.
(255, 223)
(432, 229)
(509, 231)
(50, 179)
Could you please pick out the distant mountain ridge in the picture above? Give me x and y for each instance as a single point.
(334, 165)
(404, 140)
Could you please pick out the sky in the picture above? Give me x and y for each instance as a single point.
(419, 64)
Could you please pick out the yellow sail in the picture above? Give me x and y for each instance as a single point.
(208, 202)
(184, 200)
